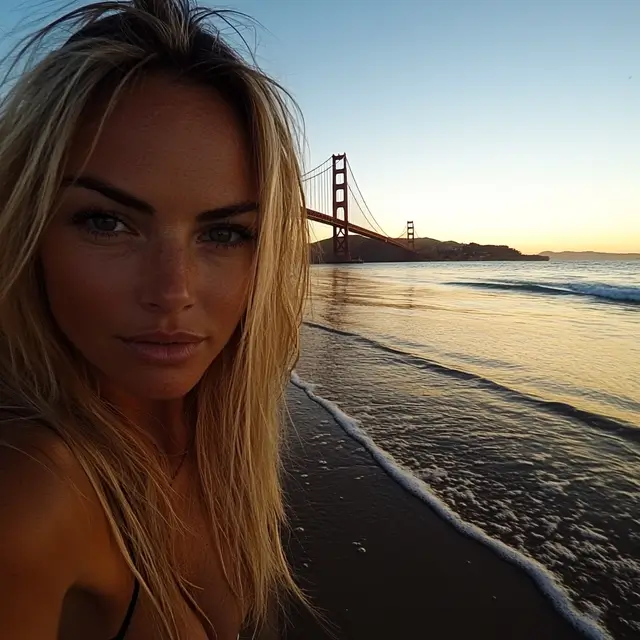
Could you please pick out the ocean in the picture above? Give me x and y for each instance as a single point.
(512, 390)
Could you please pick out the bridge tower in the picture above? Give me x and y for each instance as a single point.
(340, 207)
(411, 239)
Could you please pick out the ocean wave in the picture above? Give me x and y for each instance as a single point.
(545, 581)
(594, 420)
(607, 292)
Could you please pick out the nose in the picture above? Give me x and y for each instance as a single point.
(166, 285)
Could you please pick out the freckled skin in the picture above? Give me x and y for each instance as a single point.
(181, 149)
(111, 271)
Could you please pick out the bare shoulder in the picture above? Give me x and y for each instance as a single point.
(44, 493)
(45, 518)
(50, 521)
(57, 551)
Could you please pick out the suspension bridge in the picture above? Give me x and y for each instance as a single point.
(332, 200)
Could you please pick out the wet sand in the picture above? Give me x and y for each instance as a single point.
(381, 564)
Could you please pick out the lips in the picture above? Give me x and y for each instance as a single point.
(165, 337)
(163, 348)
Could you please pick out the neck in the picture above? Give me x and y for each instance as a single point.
(164, 420)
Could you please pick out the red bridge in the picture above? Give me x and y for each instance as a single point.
(332, 201)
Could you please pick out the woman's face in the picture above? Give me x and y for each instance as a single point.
(148, 257)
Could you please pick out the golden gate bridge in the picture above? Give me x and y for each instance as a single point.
(332, 200)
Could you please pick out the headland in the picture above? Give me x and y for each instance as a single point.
(425, 250)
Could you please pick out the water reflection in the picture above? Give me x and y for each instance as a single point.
(561, 348)
(521, 411)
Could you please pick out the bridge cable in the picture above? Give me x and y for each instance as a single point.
(383, 232)
(366, 217)
(307, 173)
(375, 223)
(306, 177)
(317, 167)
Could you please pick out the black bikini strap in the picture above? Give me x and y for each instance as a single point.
(132, 606)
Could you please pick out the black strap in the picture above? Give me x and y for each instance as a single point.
(132, 607)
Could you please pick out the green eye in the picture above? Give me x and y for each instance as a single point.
(224, 236)
(228, 235)
(99, 223)
(103, 224)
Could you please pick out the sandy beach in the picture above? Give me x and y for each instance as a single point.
(380, 563)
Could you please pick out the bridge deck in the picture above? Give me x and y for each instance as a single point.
(323, 218)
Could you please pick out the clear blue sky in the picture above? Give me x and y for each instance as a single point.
(506, 121)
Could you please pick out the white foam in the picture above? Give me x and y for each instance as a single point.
(608, 291)
(545, 581)
(590, 534)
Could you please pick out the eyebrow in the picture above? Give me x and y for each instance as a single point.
(132, 202)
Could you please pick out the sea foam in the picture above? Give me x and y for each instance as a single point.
(606, 292)
(545, 581)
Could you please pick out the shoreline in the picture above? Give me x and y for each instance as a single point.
(381, 557)
(357, 260)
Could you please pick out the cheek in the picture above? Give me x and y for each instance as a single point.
(224, 288)
(84, 290)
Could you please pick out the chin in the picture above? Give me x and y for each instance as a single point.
(159, 385)
(162, 393)
(168, 387)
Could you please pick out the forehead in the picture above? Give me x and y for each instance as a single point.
(167, 142)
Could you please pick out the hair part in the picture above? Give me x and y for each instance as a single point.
(112, 45)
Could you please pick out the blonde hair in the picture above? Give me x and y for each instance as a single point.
(236, 406)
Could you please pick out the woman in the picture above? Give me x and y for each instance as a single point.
(154, 265)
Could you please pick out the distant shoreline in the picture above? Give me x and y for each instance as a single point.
(430, 250)
(524, 258)
(577, 256)
(421, 250)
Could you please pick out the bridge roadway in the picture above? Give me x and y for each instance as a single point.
(316, 216)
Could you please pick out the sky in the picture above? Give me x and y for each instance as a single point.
(495, 121)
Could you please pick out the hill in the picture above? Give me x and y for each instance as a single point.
(589, 255)
(427, 249)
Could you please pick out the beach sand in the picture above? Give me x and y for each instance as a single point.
(381, 564)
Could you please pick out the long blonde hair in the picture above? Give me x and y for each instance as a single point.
(236, 406)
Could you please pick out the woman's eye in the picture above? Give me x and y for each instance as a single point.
(99, 224)
(105, 224)
(222, 235)
(227, 236)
